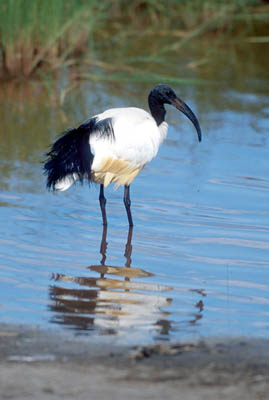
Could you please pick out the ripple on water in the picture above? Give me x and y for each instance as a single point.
(196, 263)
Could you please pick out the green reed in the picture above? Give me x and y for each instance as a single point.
(38, 33)
(45, 35)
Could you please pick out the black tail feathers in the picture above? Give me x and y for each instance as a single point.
(70, 156)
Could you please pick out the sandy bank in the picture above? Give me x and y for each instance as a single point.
(51, 365)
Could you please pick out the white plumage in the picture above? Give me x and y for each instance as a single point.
(136, 142)
(137, 137)
(113, 147)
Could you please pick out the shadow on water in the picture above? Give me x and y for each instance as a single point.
(112, 305)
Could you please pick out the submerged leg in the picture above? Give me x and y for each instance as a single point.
(102, 201)
(103, 246)
(127, 203)
(128, 248)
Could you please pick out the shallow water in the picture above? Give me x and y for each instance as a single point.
(195, 263)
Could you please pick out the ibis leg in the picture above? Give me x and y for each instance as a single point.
(102, 201)
(103, 246)
(127, 203)
(128, 248)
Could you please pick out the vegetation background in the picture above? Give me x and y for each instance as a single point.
(105, 39)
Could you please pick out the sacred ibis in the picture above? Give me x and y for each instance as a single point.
(114, 146)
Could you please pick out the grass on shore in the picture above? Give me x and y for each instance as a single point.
(45, 35)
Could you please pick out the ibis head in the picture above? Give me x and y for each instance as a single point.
(163, 94)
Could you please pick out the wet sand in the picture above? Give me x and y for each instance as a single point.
(51, 365)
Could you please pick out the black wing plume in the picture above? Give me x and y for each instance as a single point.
(71, 154)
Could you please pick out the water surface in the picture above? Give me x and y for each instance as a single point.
(195, 263)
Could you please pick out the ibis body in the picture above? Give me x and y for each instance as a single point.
(113, 147)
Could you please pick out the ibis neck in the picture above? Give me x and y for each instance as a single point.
(157, 110)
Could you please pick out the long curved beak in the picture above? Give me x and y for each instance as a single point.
(181, 106)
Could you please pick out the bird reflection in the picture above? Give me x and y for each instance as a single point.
(115, 299)
(108, 304)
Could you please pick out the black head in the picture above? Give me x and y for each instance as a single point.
(163, 94)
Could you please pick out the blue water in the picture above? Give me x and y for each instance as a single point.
(197, 262)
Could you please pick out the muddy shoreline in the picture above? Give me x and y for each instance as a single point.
(52, 365)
